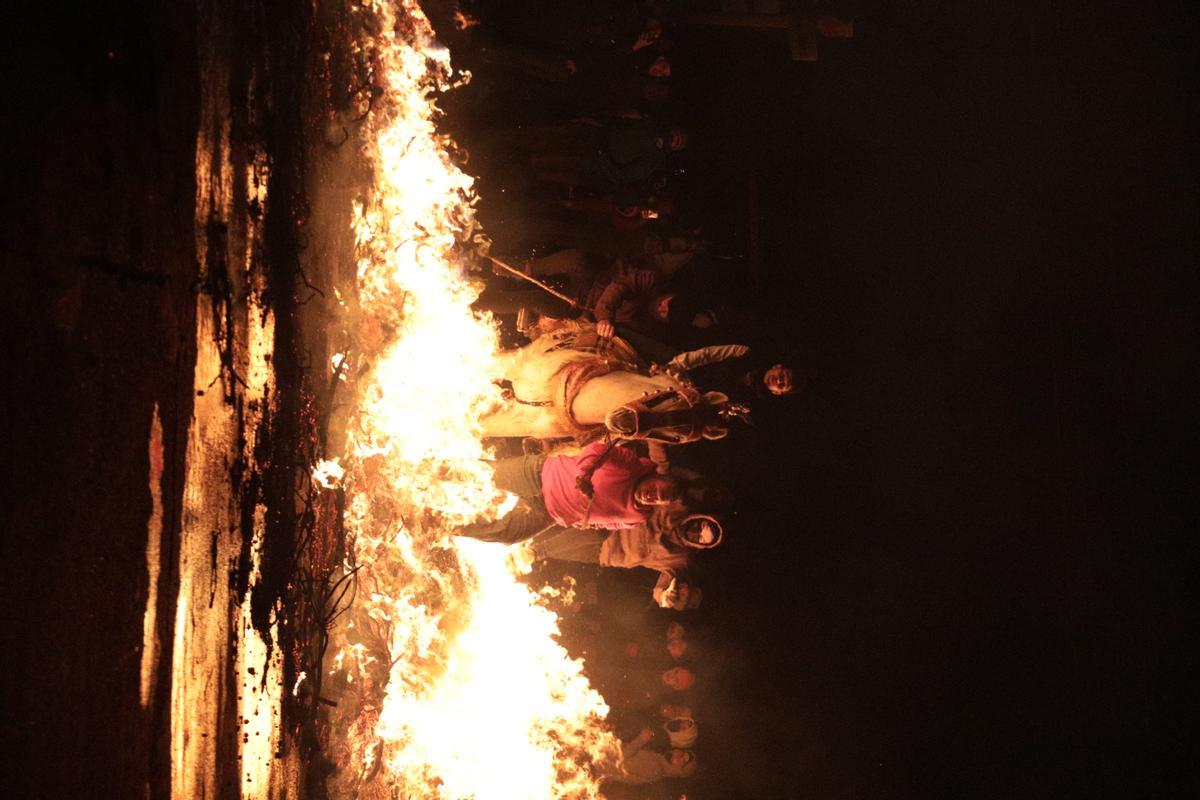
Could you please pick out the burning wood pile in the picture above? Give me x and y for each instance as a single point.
(446, 670)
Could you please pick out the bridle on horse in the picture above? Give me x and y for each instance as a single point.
(651, 418)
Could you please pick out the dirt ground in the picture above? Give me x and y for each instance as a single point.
(154, 295)
(95, 210)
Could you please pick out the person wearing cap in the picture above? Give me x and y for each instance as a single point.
(663, 543)
(606, 487)
(682, 732)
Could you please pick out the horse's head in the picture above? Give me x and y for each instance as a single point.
(675, 415)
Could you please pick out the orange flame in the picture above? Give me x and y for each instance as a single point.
(480, 700)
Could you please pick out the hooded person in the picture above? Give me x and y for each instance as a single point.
(640, 765)
(665, 543)
(694, 532)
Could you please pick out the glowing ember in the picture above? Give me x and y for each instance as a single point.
(480, 700)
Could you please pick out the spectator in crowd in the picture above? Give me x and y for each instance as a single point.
(640, 765)
(664, 543)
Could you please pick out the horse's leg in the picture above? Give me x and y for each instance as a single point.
(516, 419)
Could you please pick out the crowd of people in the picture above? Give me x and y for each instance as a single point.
(594, 170)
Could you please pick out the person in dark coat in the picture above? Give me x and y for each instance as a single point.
(730, 369)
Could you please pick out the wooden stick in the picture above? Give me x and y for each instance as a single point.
(535, 282)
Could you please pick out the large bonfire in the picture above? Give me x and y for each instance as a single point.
(477, 698)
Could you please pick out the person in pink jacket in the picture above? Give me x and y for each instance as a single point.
(605, 486)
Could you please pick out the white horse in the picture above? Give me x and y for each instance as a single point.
(569, 383)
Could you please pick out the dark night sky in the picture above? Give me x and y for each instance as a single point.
(959, 570)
